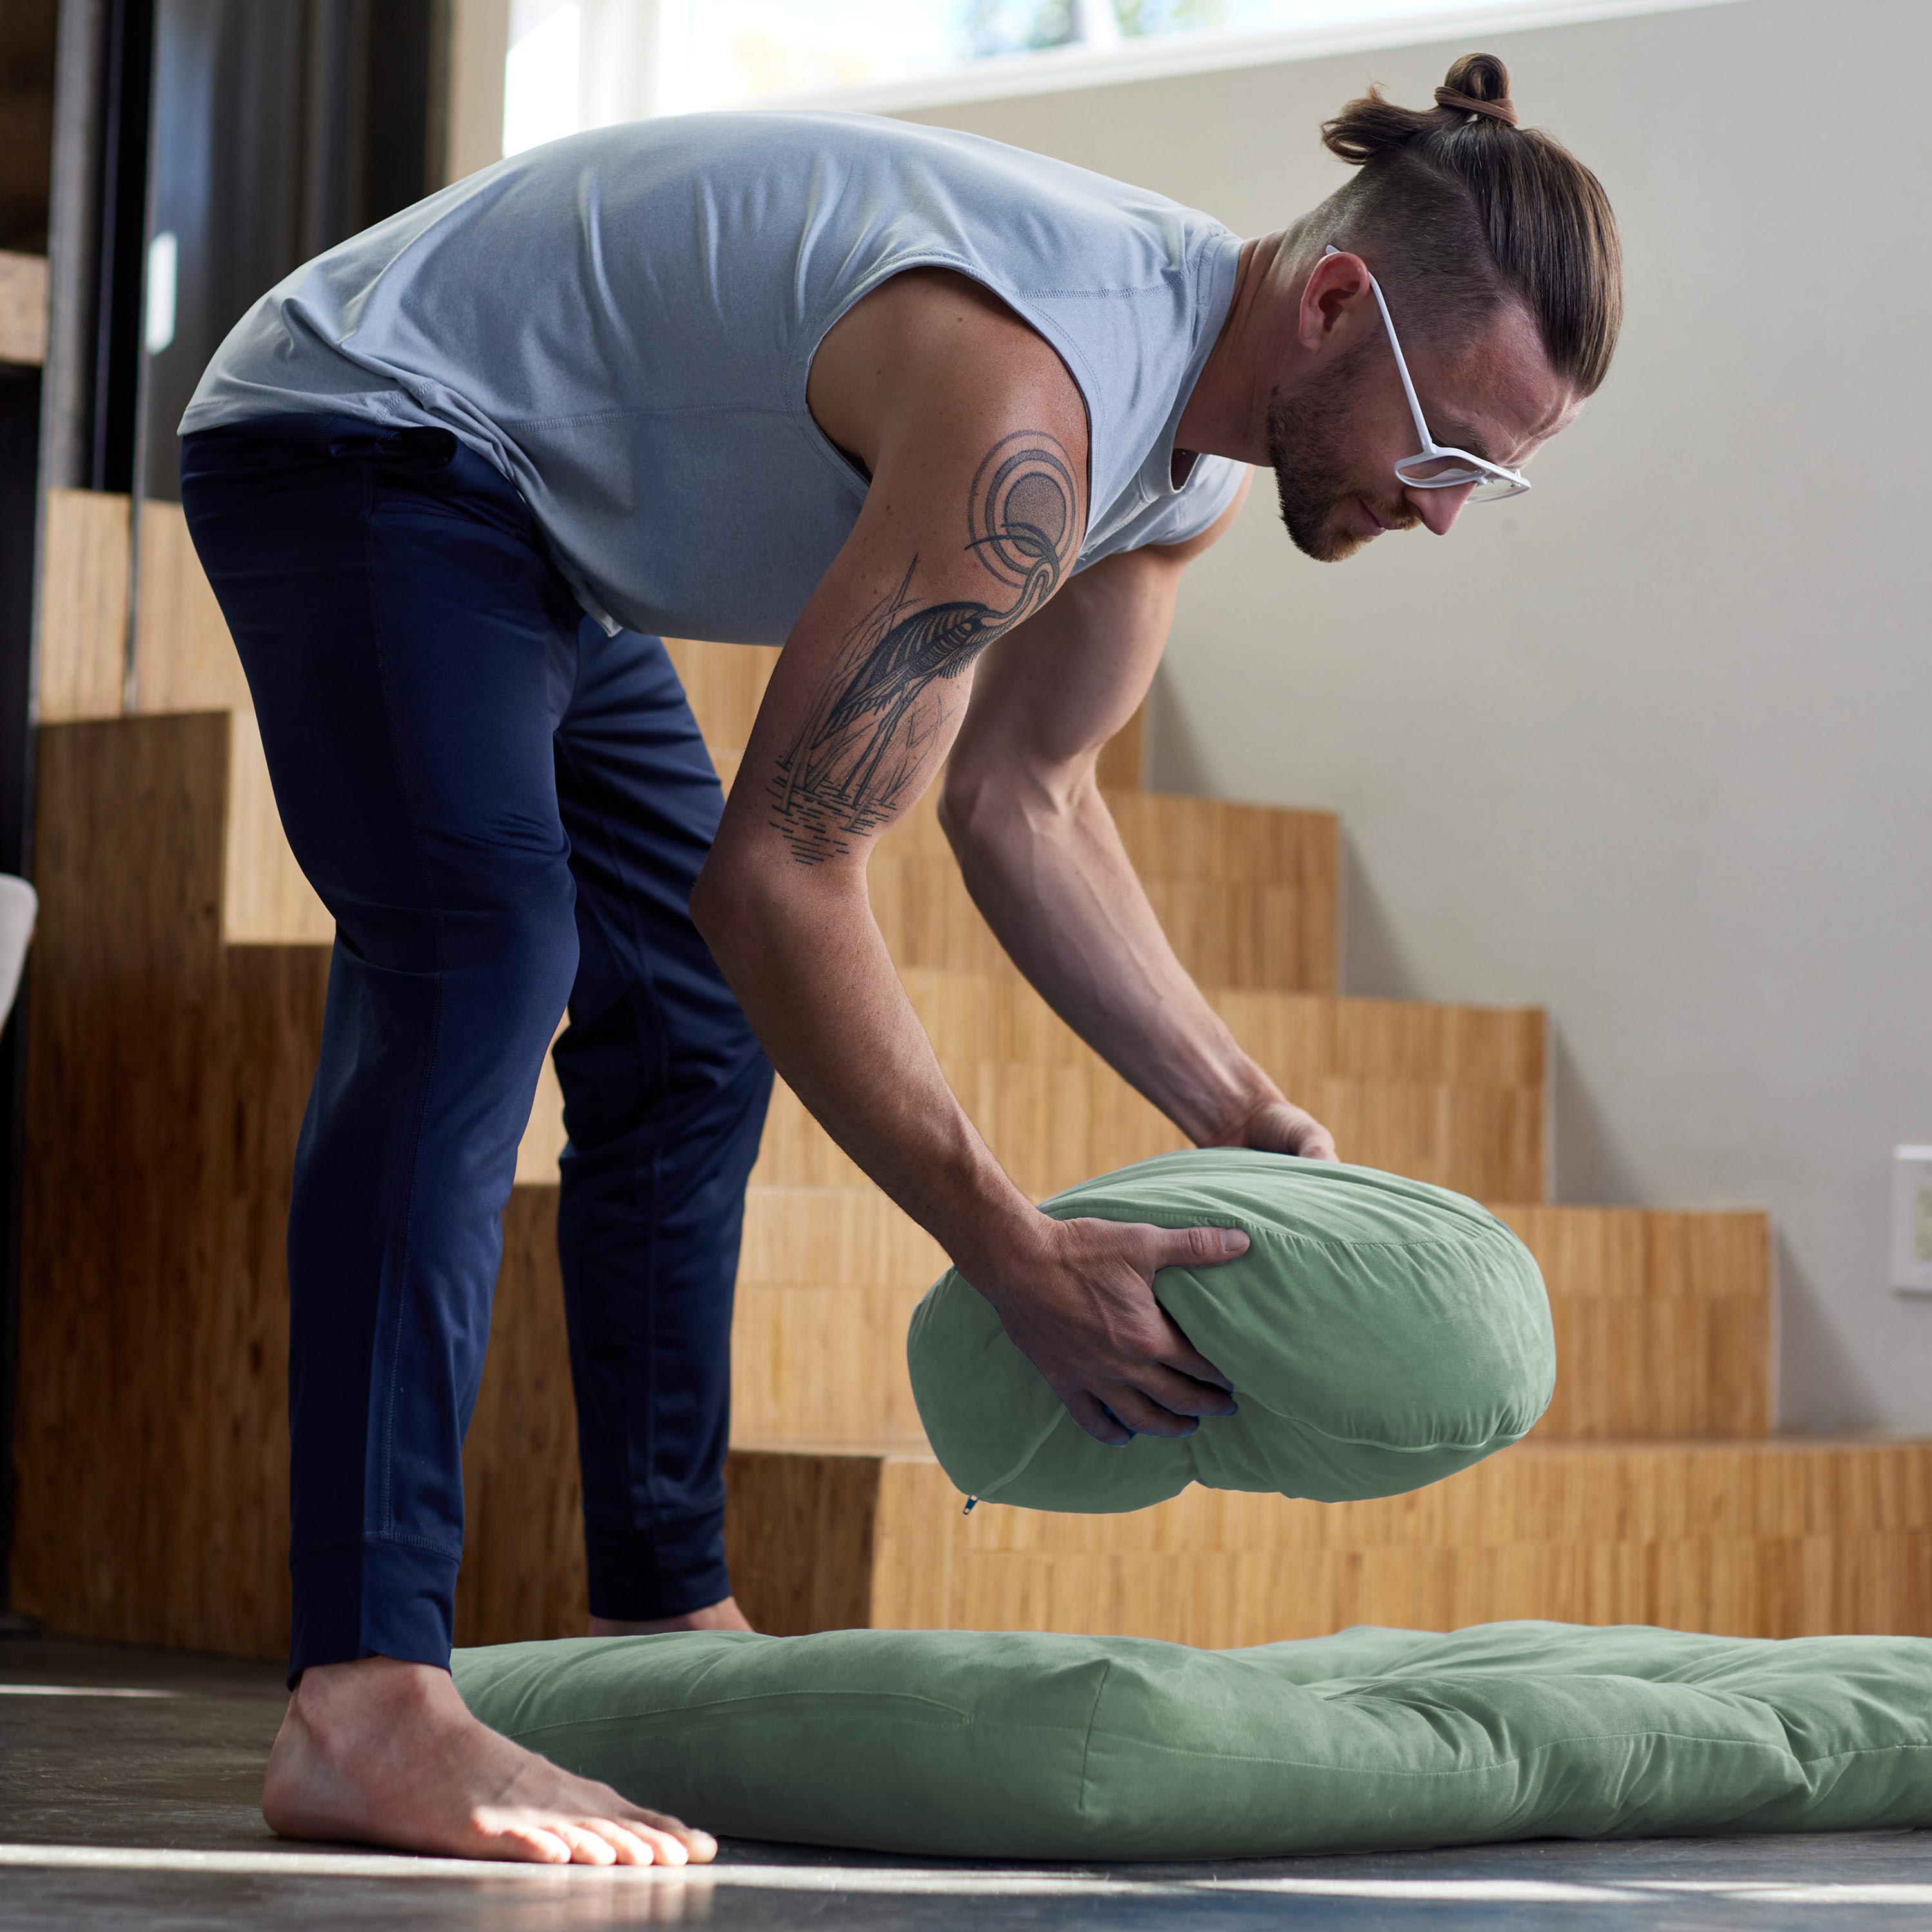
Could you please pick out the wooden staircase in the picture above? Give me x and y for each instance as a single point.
(177, 999)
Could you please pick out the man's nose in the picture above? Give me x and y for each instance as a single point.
(1439, 508)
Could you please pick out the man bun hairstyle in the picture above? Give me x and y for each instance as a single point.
(1459, 209)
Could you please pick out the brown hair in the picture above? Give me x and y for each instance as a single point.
(1461, 209)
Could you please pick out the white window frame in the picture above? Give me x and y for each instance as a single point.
(621, 48)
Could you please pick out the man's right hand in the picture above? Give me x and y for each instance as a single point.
(1077, 1299)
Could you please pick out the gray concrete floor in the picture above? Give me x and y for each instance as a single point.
(120, 1810)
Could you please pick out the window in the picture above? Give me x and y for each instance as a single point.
(583, 63)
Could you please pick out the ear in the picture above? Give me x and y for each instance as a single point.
(1331, 299)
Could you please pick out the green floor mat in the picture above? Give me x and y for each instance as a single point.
(1031, 1746)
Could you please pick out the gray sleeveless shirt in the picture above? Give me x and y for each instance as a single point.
(623, 322)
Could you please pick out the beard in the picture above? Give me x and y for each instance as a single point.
(1307, 435)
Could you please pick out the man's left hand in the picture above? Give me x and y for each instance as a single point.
(1279, 1126)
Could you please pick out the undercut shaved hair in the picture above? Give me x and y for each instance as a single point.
(1457, 209)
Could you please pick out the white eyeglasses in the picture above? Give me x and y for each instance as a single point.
(1436, 465)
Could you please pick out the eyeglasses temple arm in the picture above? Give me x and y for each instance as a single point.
(1430, 445)
(1429, 442)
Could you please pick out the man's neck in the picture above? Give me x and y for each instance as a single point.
(1226, 414)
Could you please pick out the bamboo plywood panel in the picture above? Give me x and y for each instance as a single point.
(120, 969)
(1271, 923)
(1234, 934)
(1173, 837)
(184, 659)
(1238, 913)
(233, 1481)
(1451, 1095)
(1282, 937)
(83, 621)
(1248, 894)
(1663, 1319)
(1052, 1126)
(1774, 1539)
(827, 1278)
(800, 1535)
(541, 1149)
(266, 900)
(1237, 933)
(1761, 1540)
(1278, 937)
(1405, 1042)
(1448, 1094)
(523, 1545)
(123, 957)
(23, 308)
(725, 684)
(166, 1080)
(1167, 836)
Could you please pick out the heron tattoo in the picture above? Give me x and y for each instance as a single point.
(865, 742)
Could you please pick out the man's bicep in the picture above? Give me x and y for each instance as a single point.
(948, 553)
(1050, 695)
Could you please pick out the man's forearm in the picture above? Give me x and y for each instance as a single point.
(1056, 886)
(805, 958)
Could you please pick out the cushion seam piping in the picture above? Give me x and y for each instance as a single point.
(1523, 1757)
(1173, 1218)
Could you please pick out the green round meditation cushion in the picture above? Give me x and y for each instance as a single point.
(1381, 1334)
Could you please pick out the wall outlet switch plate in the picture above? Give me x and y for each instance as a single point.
(1912, 1219)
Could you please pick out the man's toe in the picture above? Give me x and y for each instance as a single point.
(701, 1847)
(630, 1848)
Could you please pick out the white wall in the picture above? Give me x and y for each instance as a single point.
(1653, 745)
(479, 36)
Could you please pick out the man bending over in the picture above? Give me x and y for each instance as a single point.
(948, 421)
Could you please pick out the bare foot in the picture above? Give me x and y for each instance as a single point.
(387, 1753)
(725, 1616)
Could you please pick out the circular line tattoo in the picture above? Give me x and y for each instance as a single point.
(864, 746)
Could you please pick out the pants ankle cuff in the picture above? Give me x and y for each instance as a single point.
(376, 1598)
(666, 1571)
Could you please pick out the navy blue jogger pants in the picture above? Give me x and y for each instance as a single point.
(504, 809)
